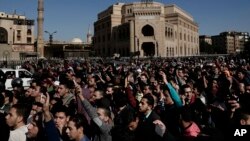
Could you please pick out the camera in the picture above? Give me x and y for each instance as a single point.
(232, 96)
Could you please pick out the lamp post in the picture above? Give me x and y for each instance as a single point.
(50, 36)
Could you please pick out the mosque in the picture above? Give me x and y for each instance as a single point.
(144, 29)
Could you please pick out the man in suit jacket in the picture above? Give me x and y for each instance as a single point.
(150, 127)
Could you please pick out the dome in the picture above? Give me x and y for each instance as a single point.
(76, 41)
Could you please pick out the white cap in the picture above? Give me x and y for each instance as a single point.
(56, 83)
(138, 70)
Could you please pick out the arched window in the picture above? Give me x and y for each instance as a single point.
(3, 35)
(148, 30)
(29, 32)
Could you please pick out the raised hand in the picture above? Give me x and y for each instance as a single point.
(46, 102)
(164, 76)
(46, 108)
(160, 127)
(78, 91)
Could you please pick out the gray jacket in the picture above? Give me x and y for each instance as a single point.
(104, 128)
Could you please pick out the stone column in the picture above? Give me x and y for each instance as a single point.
(132, 37)
(40, 19)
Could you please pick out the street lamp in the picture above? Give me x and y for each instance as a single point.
(50, 36)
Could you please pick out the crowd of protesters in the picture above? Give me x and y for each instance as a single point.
(127, 100)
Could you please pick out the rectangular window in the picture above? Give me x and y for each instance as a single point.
(19, 33)
(18, 38)
(29, 40)
(109, 36)
(29, 32)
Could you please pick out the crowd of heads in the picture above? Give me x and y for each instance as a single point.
(128, 99)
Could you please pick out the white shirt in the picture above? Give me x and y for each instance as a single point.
(18, 134)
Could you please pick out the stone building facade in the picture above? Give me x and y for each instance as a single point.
(230, 42)
(16, 36)
(145, 29)
(206, 38)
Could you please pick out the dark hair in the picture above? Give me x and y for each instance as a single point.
(35, 81)
(2, 86)
(37, 119)
(19, 96)
(81, 121)
(107, 112)
(149, 86)
(22, 110)
(126, 116)
(1, 100)
(120, 100)
(183, 87)
(100, 91)
(17, 82)
(67, 83)
(150, 99)
(43, 90)
(61, 108)
(2, 77)
(164, 87)
(38, 104)
(244, 114)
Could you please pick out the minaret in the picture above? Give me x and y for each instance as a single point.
(89, 36)
(40, 19)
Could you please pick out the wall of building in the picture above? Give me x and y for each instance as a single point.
(20, 33)
(230, 42)
(174, 31)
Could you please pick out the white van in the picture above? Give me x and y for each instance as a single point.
(11, 74)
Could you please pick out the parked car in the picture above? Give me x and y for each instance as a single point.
(11, 74)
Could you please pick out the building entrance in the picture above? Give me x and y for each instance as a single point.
(148, 49)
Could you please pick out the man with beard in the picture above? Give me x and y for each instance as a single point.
(4, 129)
(99, 100)
(150, 126)
(42, 126)
(16, 119)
